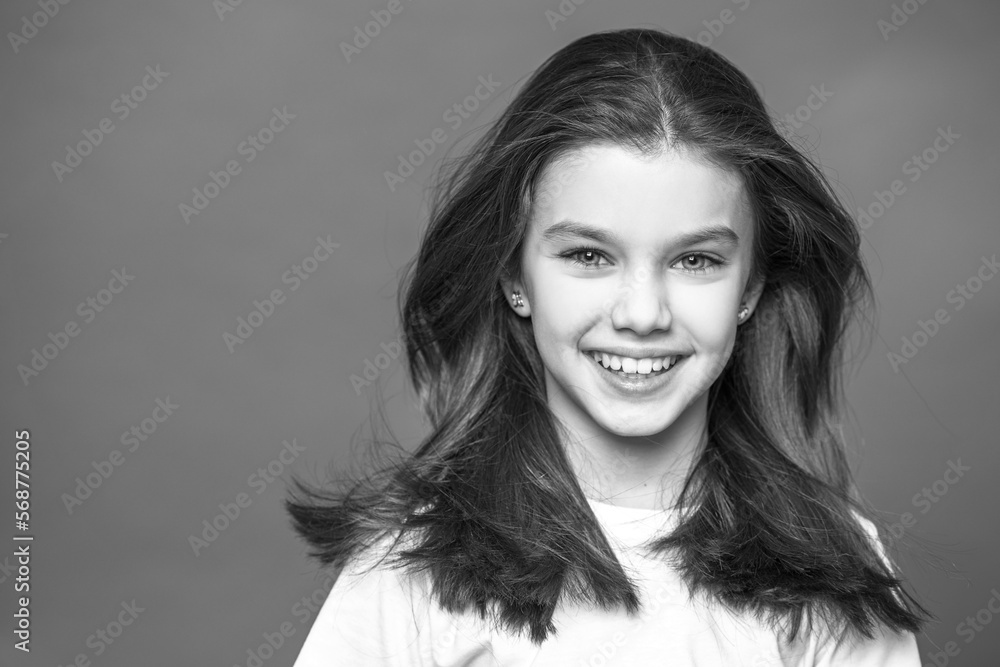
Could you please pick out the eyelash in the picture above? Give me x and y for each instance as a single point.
(571, 254)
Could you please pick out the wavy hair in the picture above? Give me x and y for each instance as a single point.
(489, 501)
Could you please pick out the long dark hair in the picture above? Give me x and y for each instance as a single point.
(489, 502)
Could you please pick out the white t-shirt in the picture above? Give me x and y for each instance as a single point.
(385, 618)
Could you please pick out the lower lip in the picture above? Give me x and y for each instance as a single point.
(635, 383)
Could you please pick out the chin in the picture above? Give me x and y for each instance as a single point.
(636, 426)
(632, 430)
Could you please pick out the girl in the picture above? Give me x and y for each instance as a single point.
(625, 325)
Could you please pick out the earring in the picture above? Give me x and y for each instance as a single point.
(742, 314)
(518, 302)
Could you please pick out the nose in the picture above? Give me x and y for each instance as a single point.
(640, 305)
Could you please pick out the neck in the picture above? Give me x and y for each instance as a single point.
(642, 472)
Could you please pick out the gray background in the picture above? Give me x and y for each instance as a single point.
(162, 336)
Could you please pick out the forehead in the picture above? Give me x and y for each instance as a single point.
(638, 195)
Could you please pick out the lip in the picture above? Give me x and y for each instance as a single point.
(633, 384)
(635, 353)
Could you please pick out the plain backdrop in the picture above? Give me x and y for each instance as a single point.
(224, 70)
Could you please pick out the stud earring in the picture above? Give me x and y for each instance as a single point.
(516, 298)
(742, 314)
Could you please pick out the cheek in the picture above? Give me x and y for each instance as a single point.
(709, 316)
(560, 306)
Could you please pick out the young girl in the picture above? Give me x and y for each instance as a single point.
(625, 325)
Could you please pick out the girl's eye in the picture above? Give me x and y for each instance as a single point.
(588, 257)
(697, 262)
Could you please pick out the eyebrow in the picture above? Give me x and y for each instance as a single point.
(569, 229)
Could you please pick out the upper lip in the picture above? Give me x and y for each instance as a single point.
(634, 353)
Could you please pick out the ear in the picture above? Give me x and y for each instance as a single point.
(751, 295)
(510, 286)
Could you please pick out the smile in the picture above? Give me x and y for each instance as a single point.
(628, 367)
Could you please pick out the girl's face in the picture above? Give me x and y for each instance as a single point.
(633, 271)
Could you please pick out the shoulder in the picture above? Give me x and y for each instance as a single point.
(380, 614)
(886, 648)
(374, 614)
(377, 575)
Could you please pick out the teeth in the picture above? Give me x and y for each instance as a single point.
(629, 365)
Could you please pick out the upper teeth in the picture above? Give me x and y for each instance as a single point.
(630, 365)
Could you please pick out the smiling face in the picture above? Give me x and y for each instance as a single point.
(633, 270)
